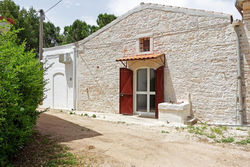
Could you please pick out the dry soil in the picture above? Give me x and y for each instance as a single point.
(105, 143)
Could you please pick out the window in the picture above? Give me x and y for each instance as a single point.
(144, 44)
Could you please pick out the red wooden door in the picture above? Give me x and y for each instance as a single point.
(159, 88)
(126, 91)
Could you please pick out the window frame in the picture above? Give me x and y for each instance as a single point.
(148, 92)
(150, 36)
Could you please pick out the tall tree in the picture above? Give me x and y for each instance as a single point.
(52, 35)
(28, 21)
(104, 19)
(77, 31)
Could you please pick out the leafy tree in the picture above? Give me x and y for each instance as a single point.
(77, 31)
(28, 21)
(93, 28)
(52, 35)
(104, 19)
(21, 90)
(80, 29)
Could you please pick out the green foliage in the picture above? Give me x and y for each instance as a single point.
(77, 31)
(28, 21)
(21, 90)
(227, 140)
(52, 35)
(164, 131)
(197, 129)
(80, 29)
(104, 19)
(241, 129)
(211, 135)
(217, 130)
(93, 116)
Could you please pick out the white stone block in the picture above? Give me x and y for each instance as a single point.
(174, 113)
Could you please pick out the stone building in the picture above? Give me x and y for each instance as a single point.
(155, 54)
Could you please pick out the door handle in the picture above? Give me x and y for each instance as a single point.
(121, 94)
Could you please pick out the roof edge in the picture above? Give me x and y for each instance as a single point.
(167, 8)
(59, 47)
(141, 7)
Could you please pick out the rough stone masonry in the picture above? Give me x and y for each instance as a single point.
(200, 53)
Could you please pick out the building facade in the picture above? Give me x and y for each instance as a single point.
(156, 53)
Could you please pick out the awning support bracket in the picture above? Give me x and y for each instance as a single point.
(163, 61)
(124, 64)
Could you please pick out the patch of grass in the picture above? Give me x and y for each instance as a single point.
(121, 122)
(217, 141)
(216, 130)
(241, 129)
(86, 115)
(42, 151)
(227, 140)
(71, 113)
(224, 128)
(211, 136)
(242, 142)
(164, 131)
(93, 116)
(197, 129)
(248, 140)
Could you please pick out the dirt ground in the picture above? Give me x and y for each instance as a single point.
(105, 143)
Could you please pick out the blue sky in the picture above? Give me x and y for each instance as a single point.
(69, 10)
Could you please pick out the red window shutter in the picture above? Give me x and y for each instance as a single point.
(159, 88)
(126, 91)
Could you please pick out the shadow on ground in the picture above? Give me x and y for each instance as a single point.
(56, 127)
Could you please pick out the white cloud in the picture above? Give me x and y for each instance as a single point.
(119, 7)
(89, 19)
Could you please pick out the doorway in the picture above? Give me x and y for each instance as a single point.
(145, 92)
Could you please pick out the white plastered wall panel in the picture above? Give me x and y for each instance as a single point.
(60, 79)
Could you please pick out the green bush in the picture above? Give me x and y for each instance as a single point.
(21, 90)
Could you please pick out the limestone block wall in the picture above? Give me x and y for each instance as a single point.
(200, 49)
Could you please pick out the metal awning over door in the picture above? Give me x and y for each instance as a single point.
(124, 59)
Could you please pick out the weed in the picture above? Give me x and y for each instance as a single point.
(61, 111)
(238, 128)
(227, 140)
(196, 129)
(81, 115)
(93, 116)
(216, 130)
(211, 136)
(177, 128)
(242, 142)
(218, 141)
(224, 128)
(86, 115)
(121, 122)
(71, 113)
(164, 131)
(248, 140)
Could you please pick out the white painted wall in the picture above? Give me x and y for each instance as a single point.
(60, 86)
